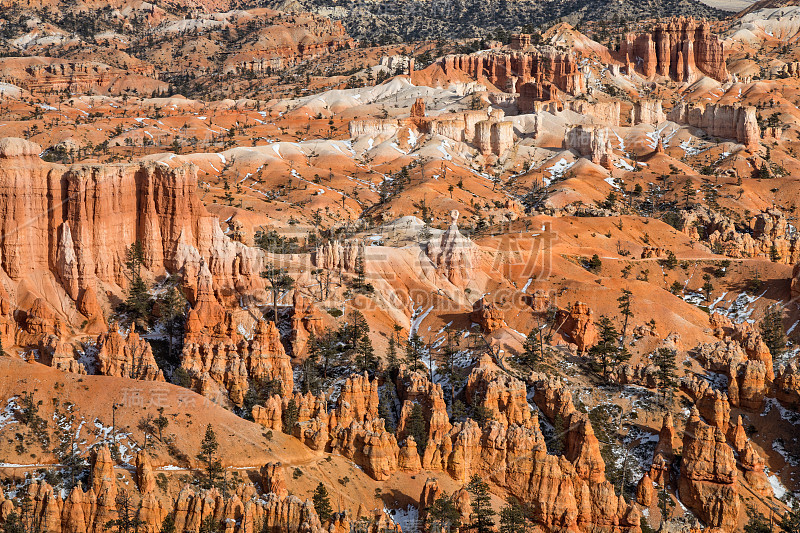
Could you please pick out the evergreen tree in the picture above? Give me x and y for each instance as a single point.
(625, 310)
(482, 517)
(168, 524)
(671, 261)
(209, 456)
(605, 351)
(137, 301)
(392, 362)
(290, 416)
(594, 264)
(355, 328)
(278, 281)
(414, 349)
(772, 331)
(790, 522)
(757, 524)
(708, 287)
(447, 361)
(386, 404)
(512, 518)
(417, 428)
(556, 444)
(666, 366)
(13, 524)
(774, 255)
(322, 503)
(173, 308)
(126, 521)
(689, 194)
(209, 525)
(531, 348)
(458, 412)
(443, 515)
(365, 355)
(309, 372)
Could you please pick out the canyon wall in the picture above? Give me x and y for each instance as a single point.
(720, 120)
(76, 224)
(537, 75)
(681, 49)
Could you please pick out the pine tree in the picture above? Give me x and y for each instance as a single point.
(443, 515)
(447, 361)
(356, 327)
(209, 456)
(310, 374)
(774, 255)
(322, 502)
(790, 522)
(625, 310)
(414, 348)
(666, 366)
(417, 429)
(708, 287)
(458, 412)
(512, 518)
(606, 349)
(391, 355)
(209, 525)
(772, 331)
(173, 308)
(556, 444)
(365, 355)
(482, 516)
(689, 194)
(278, 281)
(386, 404)
(137, 301)
(290, 416)
(531, 348)
(126, 521)
(168, 524)
(13, 524)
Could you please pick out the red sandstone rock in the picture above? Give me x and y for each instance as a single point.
(273, 480)
(453, 254)
(578, 325)
(130, 357)
(677, 49)
(488, 316)
(145, 478)
(708, 475)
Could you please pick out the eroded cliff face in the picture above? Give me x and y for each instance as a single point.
(681, 49)
(538, 75)
(569, 491)
(708, 475)
(71, 227)
(721, 120)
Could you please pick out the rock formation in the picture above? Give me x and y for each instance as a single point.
(537, 75)
(681, 49)
(720, 120)
(708, 475)
(453, 254)
(647, 112)
(107, 208)
(577, 325)
(591, 141)
(145, 478)
(487, 315)
(222, 364)
(130, 357)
